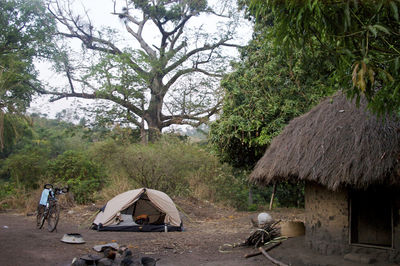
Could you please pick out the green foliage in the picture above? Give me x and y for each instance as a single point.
(252, 207)
(80, 173)
(176, 167)
(101, 166)
(169, 10)
(290, 195)
(25, 169)
(163, 165)
(25, 34)
(360, 38)
(25, 31)
(29, 158)
(6, 189)
(266, 90)
(15, 128)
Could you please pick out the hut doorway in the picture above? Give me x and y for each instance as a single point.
(371, 219)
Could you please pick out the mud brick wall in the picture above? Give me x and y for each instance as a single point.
(327, 222)
(395, 254)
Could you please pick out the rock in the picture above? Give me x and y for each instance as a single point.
(147, 261)
(122, 249)
(127, 262)
(110, 253)
(100, 248)
(105, 262)
(78, 262)
(127, 253)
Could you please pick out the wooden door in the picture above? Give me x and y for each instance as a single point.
(371, 218)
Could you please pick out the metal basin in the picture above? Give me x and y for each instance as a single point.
(73, 239)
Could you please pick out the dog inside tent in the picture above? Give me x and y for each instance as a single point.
(145, 210)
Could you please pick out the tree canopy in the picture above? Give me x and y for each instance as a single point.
(264, 92)
(360, 38)
(25, 35)
(172, 80)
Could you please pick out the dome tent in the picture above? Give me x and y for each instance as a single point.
(125, 212)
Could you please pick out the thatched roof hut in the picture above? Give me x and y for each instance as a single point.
(337, 145)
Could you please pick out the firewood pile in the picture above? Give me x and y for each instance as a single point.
(263, 235)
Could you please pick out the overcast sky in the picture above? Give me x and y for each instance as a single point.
(100, 15)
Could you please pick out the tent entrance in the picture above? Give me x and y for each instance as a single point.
(144, 207)
(371, 218)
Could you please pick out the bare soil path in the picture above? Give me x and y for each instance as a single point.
(208, 229)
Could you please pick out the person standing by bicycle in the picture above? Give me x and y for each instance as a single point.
(43, 203)
(48, 208)
(45, 196)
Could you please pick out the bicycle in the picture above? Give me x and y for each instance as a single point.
(50, 211)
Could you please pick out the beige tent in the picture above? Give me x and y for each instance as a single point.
(139, 210)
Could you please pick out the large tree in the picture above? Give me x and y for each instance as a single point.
(361, 38)
(25, 35)
(154, 84)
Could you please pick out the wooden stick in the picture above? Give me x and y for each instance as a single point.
(259, 253)
(272, 196)
(274, 261)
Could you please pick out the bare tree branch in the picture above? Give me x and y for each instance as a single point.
(138, 36)
(186, 119)
(187, 71)
(88, 39)
(195, 51)
(156, 69)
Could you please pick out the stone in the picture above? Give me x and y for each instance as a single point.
(359, 258)
(109, 253)
(78, 262)
(127, 253)
(121, 249)
(148, 261)
(100, 248)
(130, 262)
(104, 262)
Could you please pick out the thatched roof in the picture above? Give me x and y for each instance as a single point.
(335, 144)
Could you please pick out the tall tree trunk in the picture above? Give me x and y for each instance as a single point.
(153, 113)
(143, 134)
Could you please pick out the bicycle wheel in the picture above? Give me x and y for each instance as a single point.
(40, 217)
(52, 217)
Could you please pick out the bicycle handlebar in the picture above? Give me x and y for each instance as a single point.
(57, 190)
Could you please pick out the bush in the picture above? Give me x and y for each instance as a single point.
(176, 167)
(79, 172)
(25, 169)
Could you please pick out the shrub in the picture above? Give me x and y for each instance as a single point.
(25, 169)
(79, 172)
(176, 167)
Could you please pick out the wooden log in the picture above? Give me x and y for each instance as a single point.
(274, 261)
(259, 253)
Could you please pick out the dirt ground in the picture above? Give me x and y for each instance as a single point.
(209, 230)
